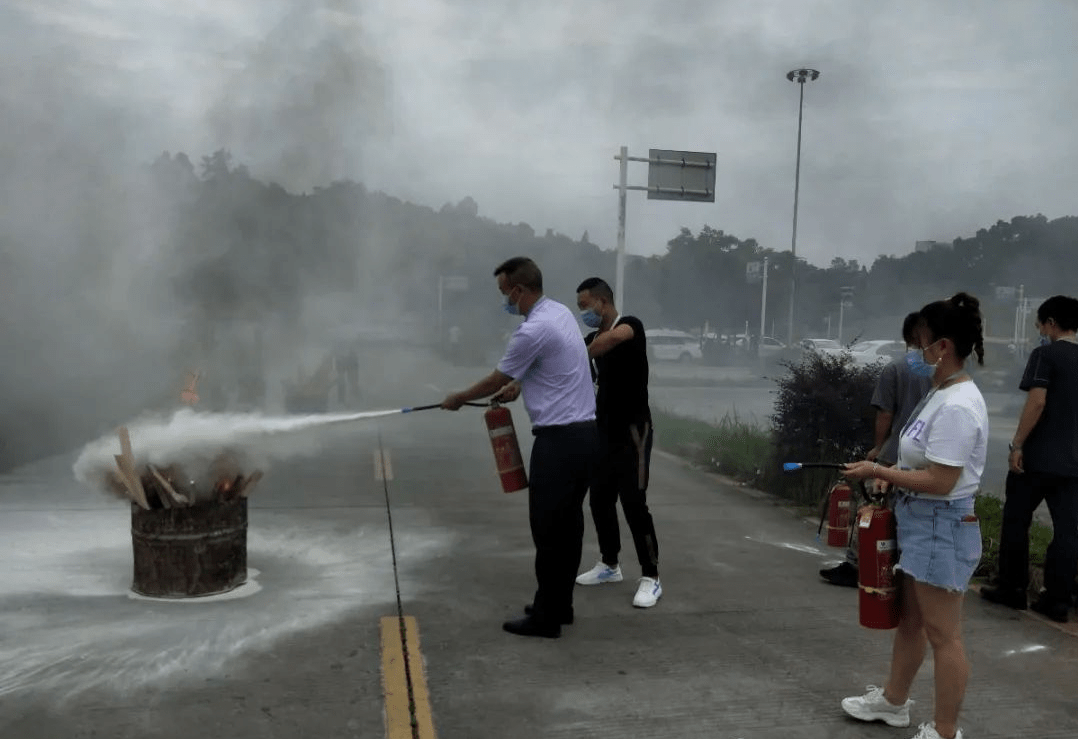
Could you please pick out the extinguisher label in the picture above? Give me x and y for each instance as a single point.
(501, 431)
(844, 504)
(866, 518)
(886, 545)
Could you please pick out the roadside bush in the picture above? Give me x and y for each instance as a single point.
(822, 414)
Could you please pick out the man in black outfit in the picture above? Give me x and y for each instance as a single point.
(618, 350)
(1044, 466)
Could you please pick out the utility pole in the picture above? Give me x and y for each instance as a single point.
(800, 76)
(619, 270)
(763, 302)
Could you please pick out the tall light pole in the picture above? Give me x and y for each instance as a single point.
(800, 76)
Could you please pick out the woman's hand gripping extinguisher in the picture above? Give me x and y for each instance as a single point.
(877, 554)
(503, 440)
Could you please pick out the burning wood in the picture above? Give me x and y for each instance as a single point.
(170, 487)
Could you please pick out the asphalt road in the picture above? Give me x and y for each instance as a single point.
(746, 643)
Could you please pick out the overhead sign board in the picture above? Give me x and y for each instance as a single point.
(681, 175)
(754, 272)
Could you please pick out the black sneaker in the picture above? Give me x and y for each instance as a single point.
(1009, 597)
(1054, 610)
(843, 575)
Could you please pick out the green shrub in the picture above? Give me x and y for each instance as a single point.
(822, 414)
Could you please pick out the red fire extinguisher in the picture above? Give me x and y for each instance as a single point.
(507, 457)
(877, 554)
(838, 515)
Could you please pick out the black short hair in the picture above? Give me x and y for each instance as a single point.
(521, 271)
(909, 327)
(1061, 309)
(959, 319)
(597, 287)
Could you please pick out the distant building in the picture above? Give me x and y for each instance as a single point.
(930, 245)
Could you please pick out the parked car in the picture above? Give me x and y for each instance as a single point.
(823, 346)
(878, 350)
(770, 348)
(674, 346)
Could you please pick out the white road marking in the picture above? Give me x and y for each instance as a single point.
(786, 545)
(1025, 650)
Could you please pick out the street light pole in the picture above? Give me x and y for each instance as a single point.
(800, 76)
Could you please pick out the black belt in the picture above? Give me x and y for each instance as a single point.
(544, 430)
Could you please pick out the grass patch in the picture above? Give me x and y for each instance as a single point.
(989, 510)
(733, 446)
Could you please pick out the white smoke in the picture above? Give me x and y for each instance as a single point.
(194, 440)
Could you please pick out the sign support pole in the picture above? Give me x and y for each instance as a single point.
(623, 180)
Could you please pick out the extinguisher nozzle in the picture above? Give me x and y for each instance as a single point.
(790, 466)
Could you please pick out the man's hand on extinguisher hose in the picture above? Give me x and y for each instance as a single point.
(453, 401)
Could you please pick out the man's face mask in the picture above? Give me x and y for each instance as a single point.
(510, 307)
(592, 317)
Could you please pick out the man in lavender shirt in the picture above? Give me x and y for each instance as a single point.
(547, 360)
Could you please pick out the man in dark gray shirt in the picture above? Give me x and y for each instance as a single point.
(898, 391)
(1044, 466)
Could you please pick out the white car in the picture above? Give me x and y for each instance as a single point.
(674, 346)
(878, 350)
(770, 347)
(823, 346)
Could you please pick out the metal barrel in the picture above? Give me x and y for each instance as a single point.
(189, 551)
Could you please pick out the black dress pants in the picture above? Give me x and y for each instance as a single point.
(560, 472)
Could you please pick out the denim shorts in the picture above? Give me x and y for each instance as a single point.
(938, 543)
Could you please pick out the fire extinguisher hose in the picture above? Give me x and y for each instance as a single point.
(438, 405)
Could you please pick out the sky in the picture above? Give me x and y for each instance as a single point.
(930, 118)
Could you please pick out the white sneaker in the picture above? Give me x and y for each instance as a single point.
(872, 706)
(599, 574)
(648, 592)
(928, 731)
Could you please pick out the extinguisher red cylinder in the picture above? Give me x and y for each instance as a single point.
(877, 554)
(838, 515)
(503, 440)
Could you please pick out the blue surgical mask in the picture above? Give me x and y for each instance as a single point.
(1045, 341)
(915, 358)
(511, 308)
(591, 319)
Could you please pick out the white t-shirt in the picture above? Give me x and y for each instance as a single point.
(950, 429)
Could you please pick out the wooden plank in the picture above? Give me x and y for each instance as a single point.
(127, 466)
(174, 499)
(124, 478)
(250, 482)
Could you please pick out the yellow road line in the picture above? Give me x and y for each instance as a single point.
(383, 465)
(399, 714)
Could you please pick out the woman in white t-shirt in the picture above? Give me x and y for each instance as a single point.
(941, 458)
